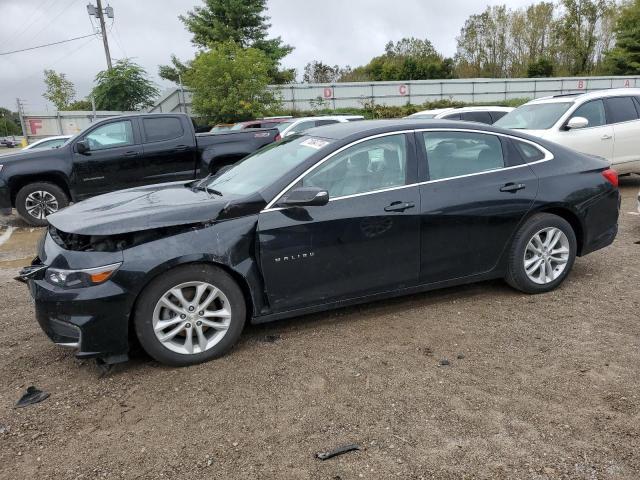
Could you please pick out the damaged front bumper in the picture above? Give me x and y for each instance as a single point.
(94, 320)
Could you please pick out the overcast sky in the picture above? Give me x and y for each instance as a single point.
(344, 32)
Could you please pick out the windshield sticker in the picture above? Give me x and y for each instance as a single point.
(316, 143)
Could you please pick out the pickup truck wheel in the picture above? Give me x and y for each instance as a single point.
(36, 201)
(189, 315)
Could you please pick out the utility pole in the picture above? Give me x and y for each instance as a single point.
(21, 114)
(99, 12)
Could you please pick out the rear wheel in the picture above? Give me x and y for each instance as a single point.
(189, 315)
(542, 254)
(36, 201)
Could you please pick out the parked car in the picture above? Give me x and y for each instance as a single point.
(9, 142)
(488, 115)
(271, 122)
(605, 123)
(49, 142)
(299, 125)
(116, 153)
(337, 216)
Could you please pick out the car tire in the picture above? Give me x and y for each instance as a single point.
(35, 201)
(151, 310)
(542, 254)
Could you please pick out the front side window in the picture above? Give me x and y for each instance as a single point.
(452, 154)
(621, 109)
(534, 116)
(111, 135)
(592, 111)
(163, 128)
(368, 166)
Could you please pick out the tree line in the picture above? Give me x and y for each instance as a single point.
(237, 60)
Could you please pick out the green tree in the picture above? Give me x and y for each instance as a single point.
(230, 83)
(9, 123)
(124, 87)
(540, 68)
(319, 72)
(583, 32)
(624, 58)
(83, 105)
(240, 21)
(60, 91)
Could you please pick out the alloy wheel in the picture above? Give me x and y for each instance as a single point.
(546, 255)
(41, 203)
(191, 317)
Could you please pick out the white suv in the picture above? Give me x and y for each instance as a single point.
(605, 123)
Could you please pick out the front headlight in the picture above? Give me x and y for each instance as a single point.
(80, 278)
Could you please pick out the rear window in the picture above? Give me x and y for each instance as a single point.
(163, 128)
(621, 109)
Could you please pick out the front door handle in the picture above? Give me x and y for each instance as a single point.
(398, 207)
(130, 154)
(512, 187)
(181, 147)
(606, 137)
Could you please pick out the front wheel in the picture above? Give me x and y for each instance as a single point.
(36, 201)
(542, 254)
(190, 315)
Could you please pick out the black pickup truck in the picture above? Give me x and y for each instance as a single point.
(118, 153)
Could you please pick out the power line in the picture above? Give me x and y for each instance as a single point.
(34, 19)
(47, 44)
(52, 21)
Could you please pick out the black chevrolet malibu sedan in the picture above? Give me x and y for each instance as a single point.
(343, 214)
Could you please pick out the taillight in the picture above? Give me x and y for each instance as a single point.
(278, 138)
(612, 176)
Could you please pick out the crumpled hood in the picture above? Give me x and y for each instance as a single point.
(145, 208)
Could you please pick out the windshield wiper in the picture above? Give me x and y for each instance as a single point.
(208, 189)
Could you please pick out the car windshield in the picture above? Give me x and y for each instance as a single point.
(535, 116)
(265, 166)
(282, 126)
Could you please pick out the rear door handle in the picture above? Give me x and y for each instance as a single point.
(399, 207)
(606, 137)
(130, 154)
(181, 147)
(512, 187)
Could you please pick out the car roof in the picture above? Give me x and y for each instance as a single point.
(480, 108)
(340, 131)
(322, 117)
(575, 97)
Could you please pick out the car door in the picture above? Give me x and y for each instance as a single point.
(623, 117)
(168, 151)
(112, 162)
(478, 191)
(597, 138)
(365, 240)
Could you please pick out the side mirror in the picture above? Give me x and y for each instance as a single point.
(577, 122)
(82, 147)
(306, 197)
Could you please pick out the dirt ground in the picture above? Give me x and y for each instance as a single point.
(538, 387)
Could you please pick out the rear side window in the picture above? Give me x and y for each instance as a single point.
(592, 111)
(497, 115)
(452, 154)
(163, 128)
(529, 152)
(482, 117)
(621, 109)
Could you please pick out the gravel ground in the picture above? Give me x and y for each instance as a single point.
(538, 387)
